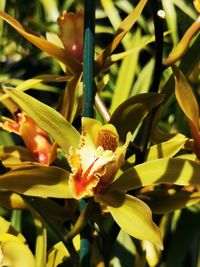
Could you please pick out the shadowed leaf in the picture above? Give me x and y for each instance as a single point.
(131, 112)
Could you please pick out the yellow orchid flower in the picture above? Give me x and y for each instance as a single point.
(94, 165)
(97, 160)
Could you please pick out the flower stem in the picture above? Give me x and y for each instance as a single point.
(88, 105)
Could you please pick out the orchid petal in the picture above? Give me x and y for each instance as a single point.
(97, 160)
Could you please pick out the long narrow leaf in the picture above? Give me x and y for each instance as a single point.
(48, 119)
(177, 171)
(124, 27)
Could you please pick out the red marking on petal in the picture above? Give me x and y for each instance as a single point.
(81, 182)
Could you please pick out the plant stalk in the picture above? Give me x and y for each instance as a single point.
(158, 17)
(88, 106)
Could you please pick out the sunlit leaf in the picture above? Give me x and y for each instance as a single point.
(183, 44)
(132, 215)
(167, 149)
(48, 119)
(6, 227)
(132, 111)
(111, 12)
(144, 79)
(41, 239)
(55, 51)
(59, 253)
(171, 18)
(37, 181)
(177, 171)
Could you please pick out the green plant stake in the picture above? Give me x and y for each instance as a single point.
(88, 98)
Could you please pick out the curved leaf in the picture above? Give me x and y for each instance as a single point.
(177, 171)
(132, 215)
(188, 104)
(185, 97)
(37, 181)
(131, 112)
(48, 119)
(53, 50)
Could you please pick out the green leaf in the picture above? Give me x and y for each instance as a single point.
(41, 239)
(124, 27)
(132, 215)
(71, 99)
(183, 239)
(167, 149)
(127, 69)
(131, 112)
(41, 181)
(48, 119)
(177, 171)
(171, 18)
